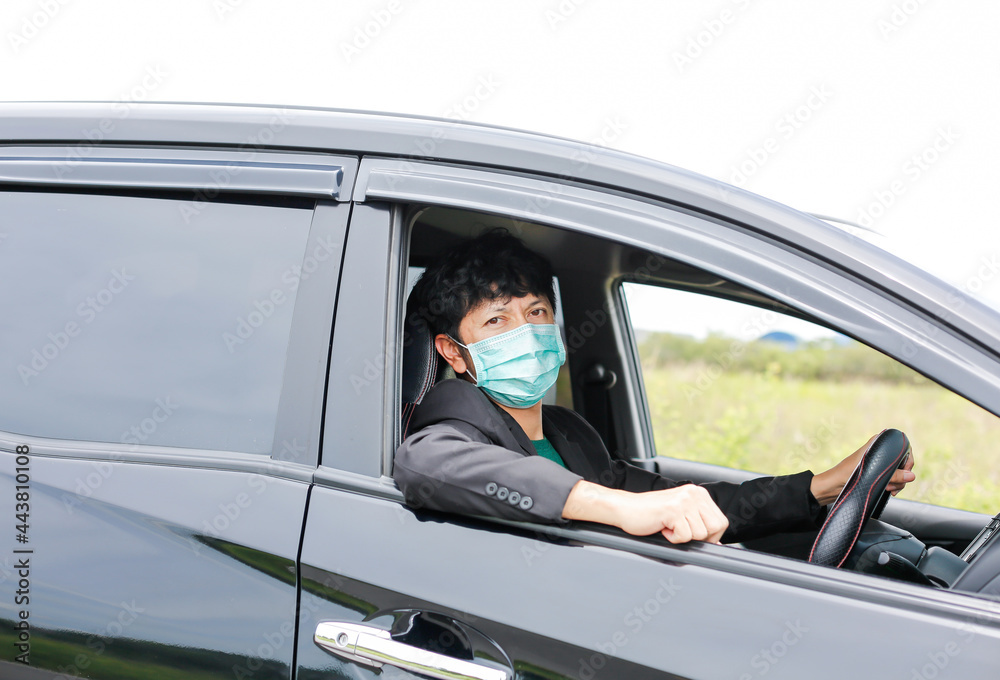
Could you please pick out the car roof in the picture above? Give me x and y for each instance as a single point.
(365, 133)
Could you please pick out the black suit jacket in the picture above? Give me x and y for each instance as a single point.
(469, 456)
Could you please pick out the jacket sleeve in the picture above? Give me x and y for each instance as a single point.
(767, 505)
(755, 508)
(452, 466)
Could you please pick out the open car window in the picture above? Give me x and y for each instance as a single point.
(431, 231)
(740, 386)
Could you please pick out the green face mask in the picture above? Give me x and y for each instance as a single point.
(518, 367)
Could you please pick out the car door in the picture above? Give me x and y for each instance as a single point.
(386, 584)
(166, 320)
(371, 566)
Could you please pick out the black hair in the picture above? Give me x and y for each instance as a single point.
(492, 266)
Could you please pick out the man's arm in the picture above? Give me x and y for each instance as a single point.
(754, 508)
(682, 514)
(453, 467)
(826, 486)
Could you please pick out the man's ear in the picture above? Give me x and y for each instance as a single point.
(450, 352)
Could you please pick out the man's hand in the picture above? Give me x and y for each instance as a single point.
(685, 513)
(826, 486)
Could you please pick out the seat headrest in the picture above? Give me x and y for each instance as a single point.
(420, 359)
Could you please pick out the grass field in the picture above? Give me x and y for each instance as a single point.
(771, 422)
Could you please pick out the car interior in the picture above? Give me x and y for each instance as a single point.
(602, 380)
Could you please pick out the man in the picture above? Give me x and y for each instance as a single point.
(483, 444)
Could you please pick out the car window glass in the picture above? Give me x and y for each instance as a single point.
(735, 385)
(145, 320)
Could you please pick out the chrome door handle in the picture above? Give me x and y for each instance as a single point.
(372, 646)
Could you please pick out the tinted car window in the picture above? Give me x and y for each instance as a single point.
(146, 321)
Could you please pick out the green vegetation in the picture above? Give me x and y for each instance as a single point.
(761, 406)
(824, 360)
(91, 655)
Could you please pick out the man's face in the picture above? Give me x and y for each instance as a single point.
(493, 317)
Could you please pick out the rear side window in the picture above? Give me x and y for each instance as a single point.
(143, 321)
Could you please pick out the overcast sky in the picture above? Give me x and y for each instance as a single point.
(883, 112)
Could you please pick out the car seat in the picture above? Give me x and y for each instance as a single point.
(422, 366)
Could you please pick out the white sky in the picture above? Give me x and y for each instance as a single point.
(868, 85)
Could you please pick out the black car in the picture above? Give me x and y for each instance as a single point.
(202, 380)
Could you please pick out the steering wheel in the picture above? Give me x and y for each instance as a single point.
(862, 498)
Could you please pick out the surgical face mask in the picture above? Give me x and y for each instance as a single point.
(518, 367)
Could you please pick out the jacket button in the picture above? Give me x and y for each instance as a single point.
(526, 503)
(491, 488)
(502, 493)
(514, 498)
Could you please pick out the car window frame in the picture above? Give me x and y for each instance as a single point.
(359, 428)
(782, 271)
(881, 321)
(172, 173)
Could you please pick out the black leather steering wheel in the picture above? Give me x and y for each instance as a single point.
(863, 497)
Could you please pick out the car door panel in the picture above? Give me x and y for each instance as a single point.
(472, 575)
(562, 605)
(143, 566)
